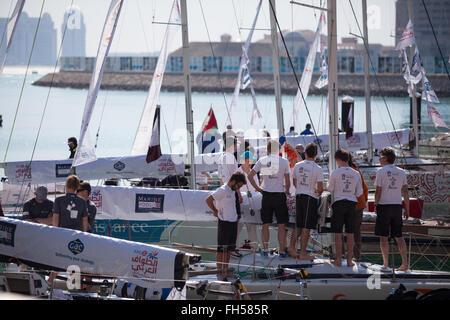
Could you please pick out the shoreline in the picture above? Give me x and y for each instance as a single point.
(349, 84)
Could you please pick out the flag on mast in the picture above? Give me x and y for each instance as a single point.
(429, 95)
(417, 68)
(435, 117)
(323, 79)
(208, 135)
(85, 152)
(154, 148)
(10, 28)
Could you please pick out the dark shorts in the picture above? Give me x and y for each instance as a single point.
(226, 236)
(343, 214)
(389, 220)
(306, 211)
(274, 202)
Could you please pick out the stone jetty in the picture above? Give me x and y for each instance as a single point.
(387, 85)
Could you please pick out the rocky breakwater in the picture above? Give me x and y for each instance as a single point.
(388, 85)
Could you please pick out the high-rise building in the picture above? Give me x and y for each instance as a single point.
(44, 52)
(74, 44)
(439, 11)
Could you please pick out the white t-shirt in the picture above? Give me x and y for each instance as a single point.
(345, 184)
(272, 168)
(307, 173)
(227, 166)
(248, 186)
(226, 203)
(391, 179)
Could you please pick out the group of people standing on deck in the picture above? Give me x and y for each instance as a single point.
(349, 198)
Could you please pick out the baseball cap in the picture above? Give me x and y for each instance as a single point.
(248, 155)
(84, 186)
(41, 193)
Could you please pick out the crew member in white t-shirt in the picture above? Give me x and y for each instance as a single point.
(227, 211)
(275, 173)
(391, 185)
(247, 159)
(308, 182)
(345, 186)
(227, 164)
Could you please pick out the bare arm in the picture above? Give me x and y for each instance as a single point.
(319, 188)
(405, 195)
(287, 183)
(55, 219)
(377, 196)
(85, 224)
(252, 180)
(210, 203)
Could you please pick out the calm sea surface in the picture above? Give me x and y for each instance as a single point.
(117, 115)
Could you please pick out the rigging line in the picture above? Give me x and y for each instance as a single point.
(295, 76)
(215, 60)
(435, 38)
(378, 83)
(142, 25)
(24, 80)
(6, 23)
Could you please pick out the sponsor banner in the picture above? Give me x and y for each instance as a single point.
(60, 248)
(140, 204)
(43, 171)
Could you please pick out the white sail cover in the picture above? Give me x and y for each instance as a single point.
(85, 152)
(50, 171)
(10, 28)
(355, 143)
(58, 248)
(145, 129)
(243, 65)
(305, 82)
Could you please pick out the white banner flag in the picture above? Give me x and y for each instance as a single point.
(145, 129)
(85, 152)
(406, 72)
(417, 68)
(10, 28)
(305, 82)
(435, 117)
(323, 79)
(242, 66)
(428, 93)
(407, 39)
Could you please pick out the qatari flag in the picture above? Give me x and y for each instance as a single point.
(154, 148)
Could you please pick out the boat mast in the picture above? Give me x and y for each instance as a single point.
(187, 93)
(367, 84)
(332, 83)
(414, 98)
(276, 69)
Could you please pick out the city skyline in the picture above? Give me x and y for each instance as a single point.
(140, 29)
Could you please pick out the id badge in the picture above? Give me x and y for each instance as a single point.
(73, 214)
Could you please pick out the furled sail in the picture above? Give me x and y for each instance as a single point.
(85, 152)
(305, 82)
(243, 67)
(10, 28)
(143, 136)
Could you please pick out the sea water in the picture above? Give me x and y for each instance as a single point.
(117, 113)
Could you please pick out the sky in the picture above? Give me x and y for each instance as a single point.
(139, 29)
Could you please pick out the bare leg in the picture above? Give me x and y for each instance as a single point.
(384, 245)
(350, 245)
(338, 245)
(220, 265)
(252, 236)
(282, 237)
(402, 248)
(293, 243)
(303, 244)
(265, 235)
(357, 234)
